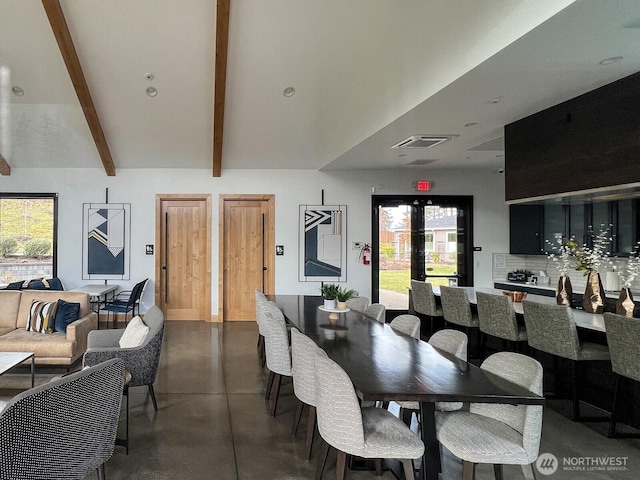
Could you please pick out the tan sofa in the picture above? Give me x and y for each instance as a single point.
(54, 348)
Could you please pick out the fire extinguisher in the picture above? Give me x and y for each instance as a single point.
(366, 254)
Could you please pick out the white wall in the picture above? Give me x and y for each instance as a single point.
(291, 188)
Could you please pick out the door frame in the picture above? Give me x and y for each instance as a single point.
(206, 198)
(462, 202)
(269, 244)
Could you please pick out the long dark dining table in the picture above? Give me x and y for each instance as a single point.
(385, 365)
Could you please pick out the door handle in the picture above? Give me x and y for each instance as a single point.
(264, 269)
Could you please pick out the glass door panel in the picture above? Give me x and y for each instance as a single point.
(394, 256)
(440, 244)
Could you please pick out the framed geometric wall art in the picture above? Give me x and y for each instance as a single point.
(322, 243)
(106, 230)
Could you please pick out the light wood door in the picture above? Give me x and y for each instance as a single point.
(247, 253)
(183, 262)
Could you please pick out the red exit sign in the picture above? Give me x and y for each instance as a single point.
(423, 185)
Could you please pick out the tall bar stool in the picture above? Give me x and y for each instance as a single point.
(498, 319)
(457, 309)
(552, 329)
(623, 337)
(424, 301)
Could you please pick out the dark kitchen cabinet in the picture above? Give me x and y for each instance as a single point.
(526, 223)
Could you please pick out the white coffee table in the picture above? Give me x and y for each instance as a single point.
(8, 360)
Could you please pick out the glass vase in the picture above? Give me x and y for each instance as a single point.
(564, 291)
(593, 301)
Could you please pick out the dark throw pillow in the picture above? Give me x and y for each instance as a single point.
(15, 285)
(66, 313)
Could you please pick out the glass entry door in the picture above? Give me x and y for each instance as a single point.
(419, 237)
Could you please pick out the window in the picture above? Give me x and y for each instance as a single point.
(451, 241)
(28, 236)
(428, 242)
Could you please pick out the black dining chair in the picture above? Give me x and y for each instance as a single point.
(125, 302)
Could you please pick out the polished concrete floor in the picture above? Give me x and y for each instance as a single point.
(213, 422)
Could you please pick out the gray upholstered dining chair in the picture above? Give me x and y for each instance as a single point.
(623, 337)
(457, 310)
(497, 318)
(407, 324)
(141, 362)
(303, 365)
(63, 429)
(277, 351)
(358, 303)
(552, 329)
(376, 311)
(453, 342)
(261, 305)
(364, 432)
(424, 301)
(497, 434)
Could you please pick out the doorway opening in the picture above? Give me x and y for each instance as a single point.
(422, 238)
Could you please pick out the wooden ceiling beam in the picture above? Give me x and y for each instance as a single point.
(222, 44)
(67, 49)
(5, 168)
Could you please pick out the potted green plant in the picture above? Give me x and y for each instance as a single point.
(344, 295)
(329, 293)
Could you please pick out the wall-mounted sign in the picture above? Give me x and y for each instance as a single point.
(423, 185)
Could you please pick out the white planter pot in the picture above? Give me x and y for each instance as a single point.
(329, 304)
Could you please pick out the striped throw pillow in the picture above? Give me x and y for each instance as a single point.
(42, 317)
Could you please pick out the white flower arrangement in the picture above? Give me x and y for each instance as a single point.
(630, 269)
(564, 256)
(590, 259)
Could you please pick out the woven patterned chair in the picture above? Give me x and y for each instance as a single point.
(303, 365)
(449, 341)
(407, 324)
(376, 311)
(497, 318)
(141, 362)
(497, 433)
(63, 429)
(623, 337)
(552, 329)
(261, 306)
(368, 432)
(278, 354)
(358, 303)
(424, 301)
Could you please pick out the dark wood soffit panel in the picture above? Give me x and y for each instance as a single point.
(222, 45)
(591, 141)
(67, 49)
(5, 168)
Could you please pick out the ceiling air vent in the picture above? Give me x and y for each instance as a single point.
(423, 141)
(421, 162)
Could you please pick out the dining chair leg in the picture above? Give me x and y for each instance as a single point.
(152, 392)
(468, 470)
(616, 394)
(409, 472)
(269, 385)
(574, 389)
(341, 465)
(311, 430)
(378, 463)
(528, 471)
(101, 473)
(276, 393)
(296, 417)
(322, 458)
(497, 471)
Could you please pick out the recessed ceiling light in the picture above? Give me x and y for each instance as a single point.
(17, 91)
(471, 124)
(495, 100)
(610, 60)
(152, 91)
(148, 76)
(289, 92)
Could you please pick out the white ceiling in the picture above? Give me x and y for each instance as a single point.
(367, 74)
